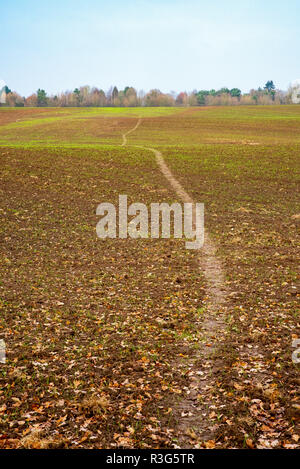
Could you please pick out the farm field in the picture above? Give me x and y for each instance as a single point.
(121, 343)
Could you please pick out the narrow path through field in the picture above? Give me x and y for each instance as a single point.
(129, 132)
(191, 415)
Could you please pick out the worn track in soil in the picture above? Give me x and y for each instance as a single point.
(192, 413)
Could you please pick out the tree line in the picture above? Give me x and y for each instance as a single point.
(86, 96)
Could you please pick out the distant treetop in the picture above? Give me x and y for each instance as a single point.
(129, 97)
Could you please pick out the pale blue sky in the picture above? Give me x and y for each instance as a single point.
(170, 45)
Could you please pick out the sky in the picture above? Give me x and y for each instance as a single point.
(171, 45)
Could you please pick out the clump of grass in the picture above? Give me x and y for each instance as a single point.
(36, 440)
(94, 405)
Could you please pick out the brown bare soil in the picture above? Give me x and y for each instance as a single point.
(143, 343)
